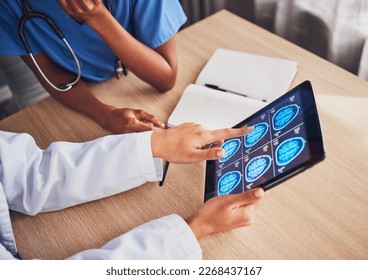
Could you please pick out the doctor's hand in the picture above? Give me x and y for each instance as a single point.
(190, 142)
(82, 10)
(223, 213)
(127, 120)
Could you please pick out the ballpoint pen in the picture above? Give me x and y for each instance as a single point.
(166, 167)
(229, 91)
(167, 163)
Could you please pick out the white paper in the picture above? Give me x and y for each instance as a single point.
(256, 77)
(213, 109)
(259, 77)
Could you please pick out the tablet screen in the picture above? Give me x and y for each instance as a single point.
(285, 140)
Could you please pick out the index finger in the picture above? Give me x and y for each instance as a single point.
(146, 117)
(221, 134)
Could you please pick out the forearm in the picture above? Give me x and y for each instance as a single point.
(66, 174)
(78, 98)
(159, 70)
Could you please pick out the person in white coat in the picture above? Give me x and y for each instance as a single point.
(33, 180)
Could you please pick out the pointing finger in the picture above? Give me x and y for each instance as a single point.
(226, 133)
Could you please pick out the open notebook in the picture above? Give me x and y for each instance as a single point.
(232, 86)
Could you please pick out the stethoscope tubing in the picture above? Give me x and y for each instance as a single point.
(28, 15)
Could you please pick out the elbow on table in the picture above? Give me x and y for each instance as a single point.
(166, 82)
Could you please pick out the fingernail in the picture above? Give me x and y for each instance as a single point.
(221, 154)
(259, 193)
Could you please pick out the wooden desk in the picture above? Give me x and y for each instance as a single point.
(320, 214)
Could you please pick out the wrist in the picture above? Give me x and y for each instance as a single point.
(198, 228)
(103, 115)
(157, 144)
(97, 20)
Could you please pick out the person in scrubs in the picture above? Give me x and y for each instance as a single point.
(137, 33)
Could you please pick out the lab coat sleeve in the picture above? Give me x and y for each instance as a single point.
(66, 174)
(167, 238)
(5, 254)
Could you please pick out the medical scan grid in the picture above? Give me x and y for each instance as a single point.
(276, 144)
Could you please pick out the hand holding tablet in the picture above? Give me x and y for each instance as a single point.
(286, 139)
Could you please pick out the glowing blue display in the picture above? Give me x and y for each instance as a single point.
(288, 150)
(284, 116)
(257, 167)
(259, 131)
(229, 182)
(230, 147)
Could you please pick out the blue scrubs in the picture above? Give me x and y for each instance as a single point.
(152, 22)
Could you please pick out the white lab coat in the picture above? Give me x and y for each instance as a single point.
(66, 174)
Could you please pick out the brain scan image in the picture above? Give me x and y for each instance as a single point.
(228, 182)
(230, 147)
(284, 116)
(259, 131)
(257, 167)
(288, 150)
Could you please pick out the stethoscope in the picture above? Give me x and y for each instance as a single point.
(29, 14)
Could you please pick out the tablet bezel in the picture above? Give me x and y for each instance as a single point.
(314, 140)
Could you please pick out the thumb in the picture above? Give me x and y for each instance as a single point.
(248, 197)
(211, 154)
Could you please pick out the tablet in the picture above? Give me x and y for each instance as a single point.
(286, 139)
